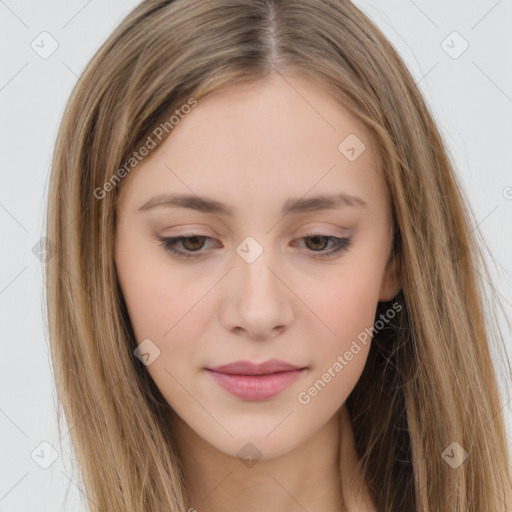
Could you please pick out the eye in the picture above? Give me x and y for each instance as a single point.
(192, 245)
(319, 241)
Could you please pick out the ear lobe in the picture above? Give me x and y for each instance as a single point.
(391, 282)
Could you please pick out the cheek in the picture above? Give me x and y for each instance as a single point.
(159, 298)
(348, 310)
(162, 304)
(347, 306)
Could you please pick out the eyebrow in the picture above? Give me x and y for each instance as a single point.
(291, 206)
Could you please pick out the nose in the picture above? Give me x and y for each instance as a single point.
(258, 302)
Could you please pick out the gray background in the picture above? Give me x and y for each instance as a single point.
(470, 96)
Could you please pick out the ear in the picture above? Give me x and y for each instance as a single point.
(391, 282)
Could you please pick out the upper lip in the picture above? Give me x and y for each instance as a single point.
(250, 368)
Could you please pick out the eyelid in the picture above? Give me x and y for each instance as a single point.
(341, 244)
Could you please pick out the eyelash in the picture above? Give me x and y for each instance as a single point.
(340, 244)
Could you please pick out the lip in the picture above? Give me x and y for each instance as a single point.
(253, 381)
(250, 368)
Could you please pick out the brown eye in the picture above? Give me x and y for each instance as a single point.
(193, 243)
(185, 246)
(318, 242)
(188, 247)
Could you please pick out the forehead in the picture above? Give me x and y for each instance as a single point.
(282, 136)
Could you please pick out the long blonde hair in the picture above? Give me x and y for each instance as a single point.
(429, 380)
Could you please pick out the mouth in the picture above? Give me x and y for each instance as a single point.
(256, 382)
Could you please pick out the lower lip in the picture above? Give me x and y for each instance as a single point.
(256, 387)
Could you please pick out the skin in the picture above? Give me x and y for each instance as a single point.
(252, 147)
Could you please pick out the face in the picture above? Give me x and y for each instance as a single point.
(257, 269)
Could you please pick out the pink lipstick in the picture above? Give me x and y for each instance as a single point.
(251, 381)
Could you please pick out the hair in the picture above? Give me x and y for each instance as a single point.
(429, 379)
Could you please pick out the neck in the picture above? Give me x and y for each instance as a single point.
(310, 477)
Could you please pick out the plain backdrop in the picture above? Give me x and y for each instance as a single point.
(459, 53)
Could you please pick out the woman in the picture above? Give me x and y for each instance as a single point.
(265, 290)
